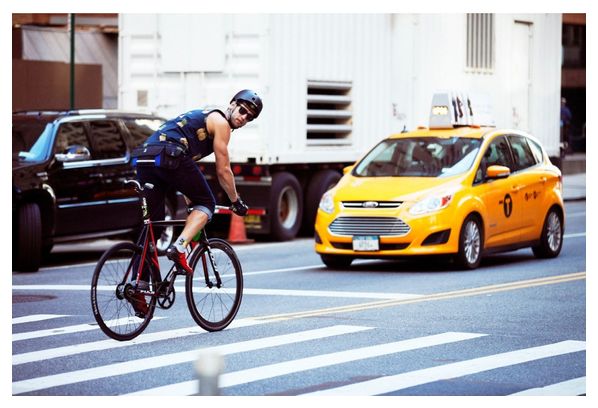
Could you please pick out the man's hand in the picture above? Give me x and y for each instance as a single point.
(239, 207)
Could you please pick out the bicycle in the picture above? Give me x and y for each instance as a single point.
(123, 308)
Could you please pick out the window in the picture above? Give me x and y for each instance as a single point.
(574, 46)
(329, 115)
(141, 129)
(498, 153)
(522, 153)
(536, 150)
(70, 134)
(107, 140)
(480, 42)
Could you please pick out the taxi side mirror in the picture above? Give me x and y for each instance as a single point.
(347, 169)
(498, 172)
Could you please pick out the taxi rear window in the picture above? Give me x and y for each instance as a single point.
(419, 157)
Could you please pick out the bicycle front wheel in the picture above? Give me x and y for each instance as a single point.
(115, 304)
(212, 307)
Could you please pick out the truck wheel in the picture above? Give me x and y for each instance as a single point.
(321, 182)
(286, 206)
(29, 238)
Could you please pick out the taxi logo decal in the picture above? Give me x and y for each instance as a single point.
(507, 205)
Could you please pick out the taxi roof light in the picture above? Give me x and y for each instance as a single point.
(455, 109)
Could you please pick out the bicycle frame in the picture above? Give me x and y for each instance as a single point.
(147, 241)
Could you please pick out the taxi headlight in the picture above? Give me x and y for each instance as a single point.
(431, 204)
(327, 203)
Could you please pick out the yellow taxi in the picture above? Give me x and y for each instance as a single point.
(452, 189)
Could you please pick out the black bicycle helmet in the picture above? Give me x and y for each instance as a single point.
(252, 98)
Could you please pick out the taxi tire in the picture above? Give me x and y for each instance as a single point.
(336, 261)
(471, 229)
(553, 220)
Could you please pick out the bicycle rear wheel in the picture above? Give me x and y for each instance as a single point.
(214, 308)
(113, 297)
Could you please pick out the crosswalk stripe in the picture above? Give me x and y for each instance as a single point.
(576, 386)
(35, 384)
(393, 383)
(65, 351)
(35, 318)
(309, 363)
(70, 329)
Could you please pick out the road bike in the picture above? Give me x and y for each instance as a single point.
(123, 306)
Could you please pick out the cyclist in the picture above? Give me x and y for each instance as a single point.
(173, 151)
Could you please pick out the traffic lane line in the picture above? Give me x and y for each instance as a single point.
(573, 387)
(483, 290)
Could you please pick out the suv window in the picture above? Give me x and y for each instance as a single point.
(107, 140)
(536, 150)
(141, 129)
(522, 153)
(69, 134)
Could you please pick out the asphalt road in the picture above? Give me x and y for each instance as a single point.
(417, 327)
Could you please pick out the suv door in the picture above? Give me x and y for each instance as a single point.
(120, 207)
(75, 181)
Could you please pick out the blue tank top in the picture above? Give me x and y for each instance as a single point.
(190, 130)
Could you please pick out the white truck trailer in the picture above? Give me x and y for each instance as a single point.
(332, 86)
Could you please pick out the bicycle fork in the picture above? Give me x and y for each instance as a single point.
(209, 282)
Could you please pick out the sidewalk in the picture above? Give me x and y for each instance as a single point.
(574, 186)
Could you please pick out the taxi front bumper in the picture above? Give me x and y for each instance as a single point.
(396, 233)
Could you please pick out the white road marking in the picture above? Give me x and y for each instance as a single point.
(127, 367)
(310, 363)
(576, 386)
(392, 383)
(35, 318)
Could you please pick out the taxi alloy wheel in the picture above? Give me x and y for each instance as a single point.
(470, 244)
(551, 240)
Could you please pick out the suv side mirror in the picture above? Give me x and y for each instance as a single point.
(498, 172)
(74, 153)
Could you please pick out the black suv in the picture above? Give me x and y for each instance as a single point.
(68, 173)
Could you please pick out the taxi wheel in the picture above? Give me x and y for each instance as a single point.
(470, 244)
(551, 240)
(336, 261)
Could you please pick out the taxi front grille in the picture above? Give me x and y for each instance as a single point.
(380, 226)
(372, 204)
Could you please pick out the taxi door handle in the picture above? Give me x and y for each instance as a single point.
(543, 179)
(517, 188)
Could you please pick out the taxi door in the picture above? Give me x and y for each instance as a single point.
(502, 200)
(531, 184)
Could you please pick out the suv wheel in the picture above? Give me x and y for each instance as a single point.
(29, 238)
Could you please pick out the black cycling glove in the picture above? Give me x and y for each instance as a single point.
(239, 207)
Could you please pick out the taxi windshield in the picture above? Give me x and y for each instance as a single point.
(419, 157)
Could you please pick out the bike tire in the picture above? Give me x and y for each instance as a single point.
(213, 309)
(111, 306)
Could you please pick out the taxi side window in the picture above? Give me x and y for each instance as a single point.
(536, 150)
(524, 157)
(497, 153)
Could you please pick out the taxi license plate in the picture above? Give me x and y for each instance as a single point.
(367, 243)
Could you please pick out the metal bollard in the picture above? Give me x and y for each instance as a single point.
(209, 366)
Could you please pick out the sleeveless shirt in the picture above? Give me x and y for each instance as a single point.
(189, 130)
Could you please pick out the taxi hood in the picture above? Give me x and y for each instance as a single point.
(351, 188)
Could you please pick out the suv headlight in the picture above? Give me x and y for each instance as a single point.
(327, 203)
(432, 203)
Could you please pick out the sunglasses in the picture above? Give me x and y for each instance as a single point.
(244, 111)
